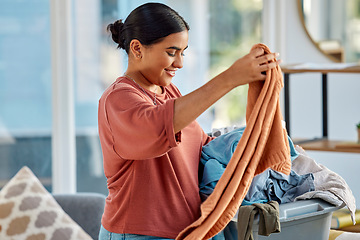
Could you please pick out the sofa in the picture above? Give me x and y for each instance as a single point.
(85, 209)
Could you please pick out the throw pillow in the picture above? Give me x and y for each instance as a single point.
(29, 212)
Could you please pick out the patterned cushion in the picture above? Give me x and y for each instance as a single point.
(29, 212)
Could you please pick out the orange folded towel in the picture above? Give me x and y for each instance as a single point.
(263, 144)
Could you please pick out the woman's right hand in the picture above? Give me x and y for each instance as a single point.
(250, 68)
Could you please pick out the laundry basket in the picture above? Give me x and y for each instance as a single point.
(299, 220)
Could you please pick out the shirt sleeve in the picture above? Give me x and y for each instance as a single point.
(206, 138)
(140, 130)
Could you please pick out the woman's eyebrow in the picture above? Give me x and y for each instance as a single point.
(176, 48)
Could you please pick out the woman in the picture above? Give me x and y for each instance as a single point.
(150, 140)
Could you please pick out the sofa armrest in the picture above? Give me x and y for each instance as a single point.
(86, 209)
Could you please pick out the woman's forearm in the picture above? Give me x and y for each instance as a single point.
(189, 107)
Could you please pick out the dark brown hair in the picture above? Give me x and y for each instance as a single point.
(148, 23)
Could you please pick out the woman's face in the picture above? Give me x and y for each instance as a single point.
(160, 61)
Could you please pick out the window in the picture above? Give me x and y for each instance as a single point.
(25, 89)
(235, 26)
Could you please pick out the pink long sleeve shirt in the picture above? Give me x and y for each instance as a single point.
(151, 171)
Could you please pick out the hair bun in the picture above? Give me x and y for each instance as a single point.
(116, 30)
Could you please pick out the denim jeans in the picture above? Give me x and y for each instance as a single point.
(106, 235)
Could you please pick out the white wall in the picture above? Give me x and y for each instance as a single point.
(284, 33)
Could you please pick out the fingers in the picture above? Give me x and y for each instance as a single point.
(267, 66)
(260, 52)
(265, 61)
(257, 52)
(253, 66)
(267, 58)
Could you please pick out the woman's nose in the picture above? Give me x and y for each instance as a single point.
(178, 63)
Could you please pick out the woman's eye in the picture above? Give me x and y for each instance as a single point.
(174, 54)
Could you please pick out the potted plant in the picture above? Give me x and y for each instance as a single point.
(358, 130)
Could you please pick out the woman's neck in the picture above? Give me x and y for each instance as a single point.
(139, 79)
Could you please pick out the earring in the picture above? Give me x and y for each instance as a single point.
(138, 56)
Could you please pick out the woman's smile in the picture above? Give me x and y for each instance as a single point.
(171, 73)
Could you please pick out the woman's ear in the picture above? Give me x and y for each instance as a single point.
(135, 48)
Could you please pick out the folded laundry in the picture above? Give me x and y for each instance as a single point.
(267, 186)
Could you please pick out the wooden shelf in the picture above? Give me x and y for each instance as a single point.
(321, 68)
(320, 144)
(329, 145)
